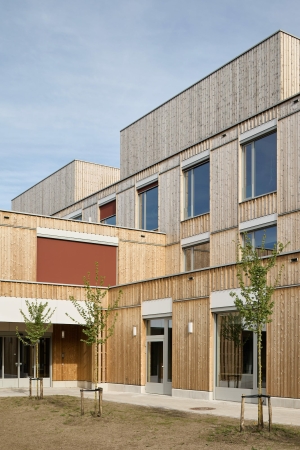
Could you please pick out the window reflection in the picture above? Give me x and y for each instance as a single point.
(197, 190)
(149, 209)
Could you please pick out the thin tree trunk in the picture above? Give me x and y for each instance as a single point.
(260, 410)
(37, 368)
(96, 374)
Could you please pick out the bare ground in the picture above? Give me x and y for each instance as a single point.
(55, 423)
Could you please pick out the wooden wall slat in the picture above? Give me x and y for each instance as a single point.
(169, 204)
(223, 247)
(258, 207)
(191, 352)
(126, 208)
(224, 187)
(196, 225)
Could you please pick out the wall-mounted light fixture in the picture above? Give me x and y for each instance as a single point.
(191, 278)
(190, 327)
(142, 235)
(296, 101)
(223, 135)
(6, 217)
(134, 331)
(63, 334)
(294, 259)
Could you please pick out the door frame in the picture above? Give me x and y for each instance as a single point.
(19, 382)
(164, 388)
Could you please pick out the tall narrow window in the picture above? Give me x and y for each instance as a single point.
(197, 190)
(108, 213)
(260, 166)
(148, 206)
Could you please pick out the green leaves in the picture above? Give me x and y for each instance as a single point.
(94, 315)
(36, 323)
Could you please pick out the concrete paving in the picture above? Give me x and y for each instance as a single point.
(287, 416)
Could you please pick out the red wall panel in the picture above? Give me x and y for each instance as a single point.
(67, 262)
(107, 210)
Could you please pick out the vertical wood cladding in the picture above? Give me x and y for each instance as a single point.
(288, 227)
(241, 89)
(289, 163)
(283, 349)
(258, 207)
(196, 225)
(69, 262)
(169, 204)
(71, 358)
(223, 247)
(17, 253)
(191, 352)
(224, 187)
(290, 65)
(70, 184)
(125, 353)
(126, 208)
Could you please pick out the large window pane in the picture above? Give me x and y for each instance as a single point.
(197, 257)
(260, 166)
(265, 165)
(235, 353)
(197, 190)
(156, 327)
(149, 209)
(270, 235)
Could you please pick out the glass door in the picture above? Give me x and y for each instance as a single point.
(159, 356)
(17, 362)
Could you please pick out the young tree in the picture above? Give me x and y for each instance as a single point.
(255, 304)
(95, 317)
(36, 325)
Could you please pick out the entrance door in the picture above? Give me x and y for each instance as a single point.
(236, 359)
(159, 356)
(17, 362)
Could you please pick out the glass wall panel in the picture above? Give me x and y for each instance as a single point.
(257, 236)
(188, 254)
(149, 209)
(26, 361)
(44, 358)
(197, 190)
(155, 362)
(201, 256)
(235, 353)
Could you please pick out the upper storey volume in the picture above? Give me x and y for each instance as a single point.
(254, 81)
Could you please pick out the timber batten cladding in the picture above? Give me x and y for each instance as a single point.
(255, 95)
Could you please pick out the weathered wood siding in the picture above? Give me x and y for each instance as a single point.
(242, 88)
(125, 353)
(223, 247)
(169, 204)
(288, 227)
(68, 185)
(196, 225)
(289, 163)
(258, 207)
(283, 345)
(224, 187)
(126, 208)
(191, 352)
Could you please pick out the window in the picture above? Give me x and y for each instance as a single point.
(79, 217)
(256, 238)
(260, 166)
(197, 257)
(108, 213)
(197, 190)
(148, 205)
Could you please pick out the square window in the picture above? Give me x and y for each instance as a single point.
(197, 257)
(197, 190)
(260, 166)
(256, 238)
(148, 206)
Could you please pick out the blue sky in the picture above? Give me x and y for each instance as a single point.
(74, 73)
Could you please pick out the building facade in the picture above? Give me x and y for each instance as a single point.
(216, 161)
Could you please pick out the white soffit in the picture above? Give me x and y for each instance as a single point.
(222, 300)
(269, 220)
(160, 307)
(107, 199)
(10, 310)
(77, 236)
(258, 131)
(73, 214)
(145, 181)
(195, 159)
(196, 239)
